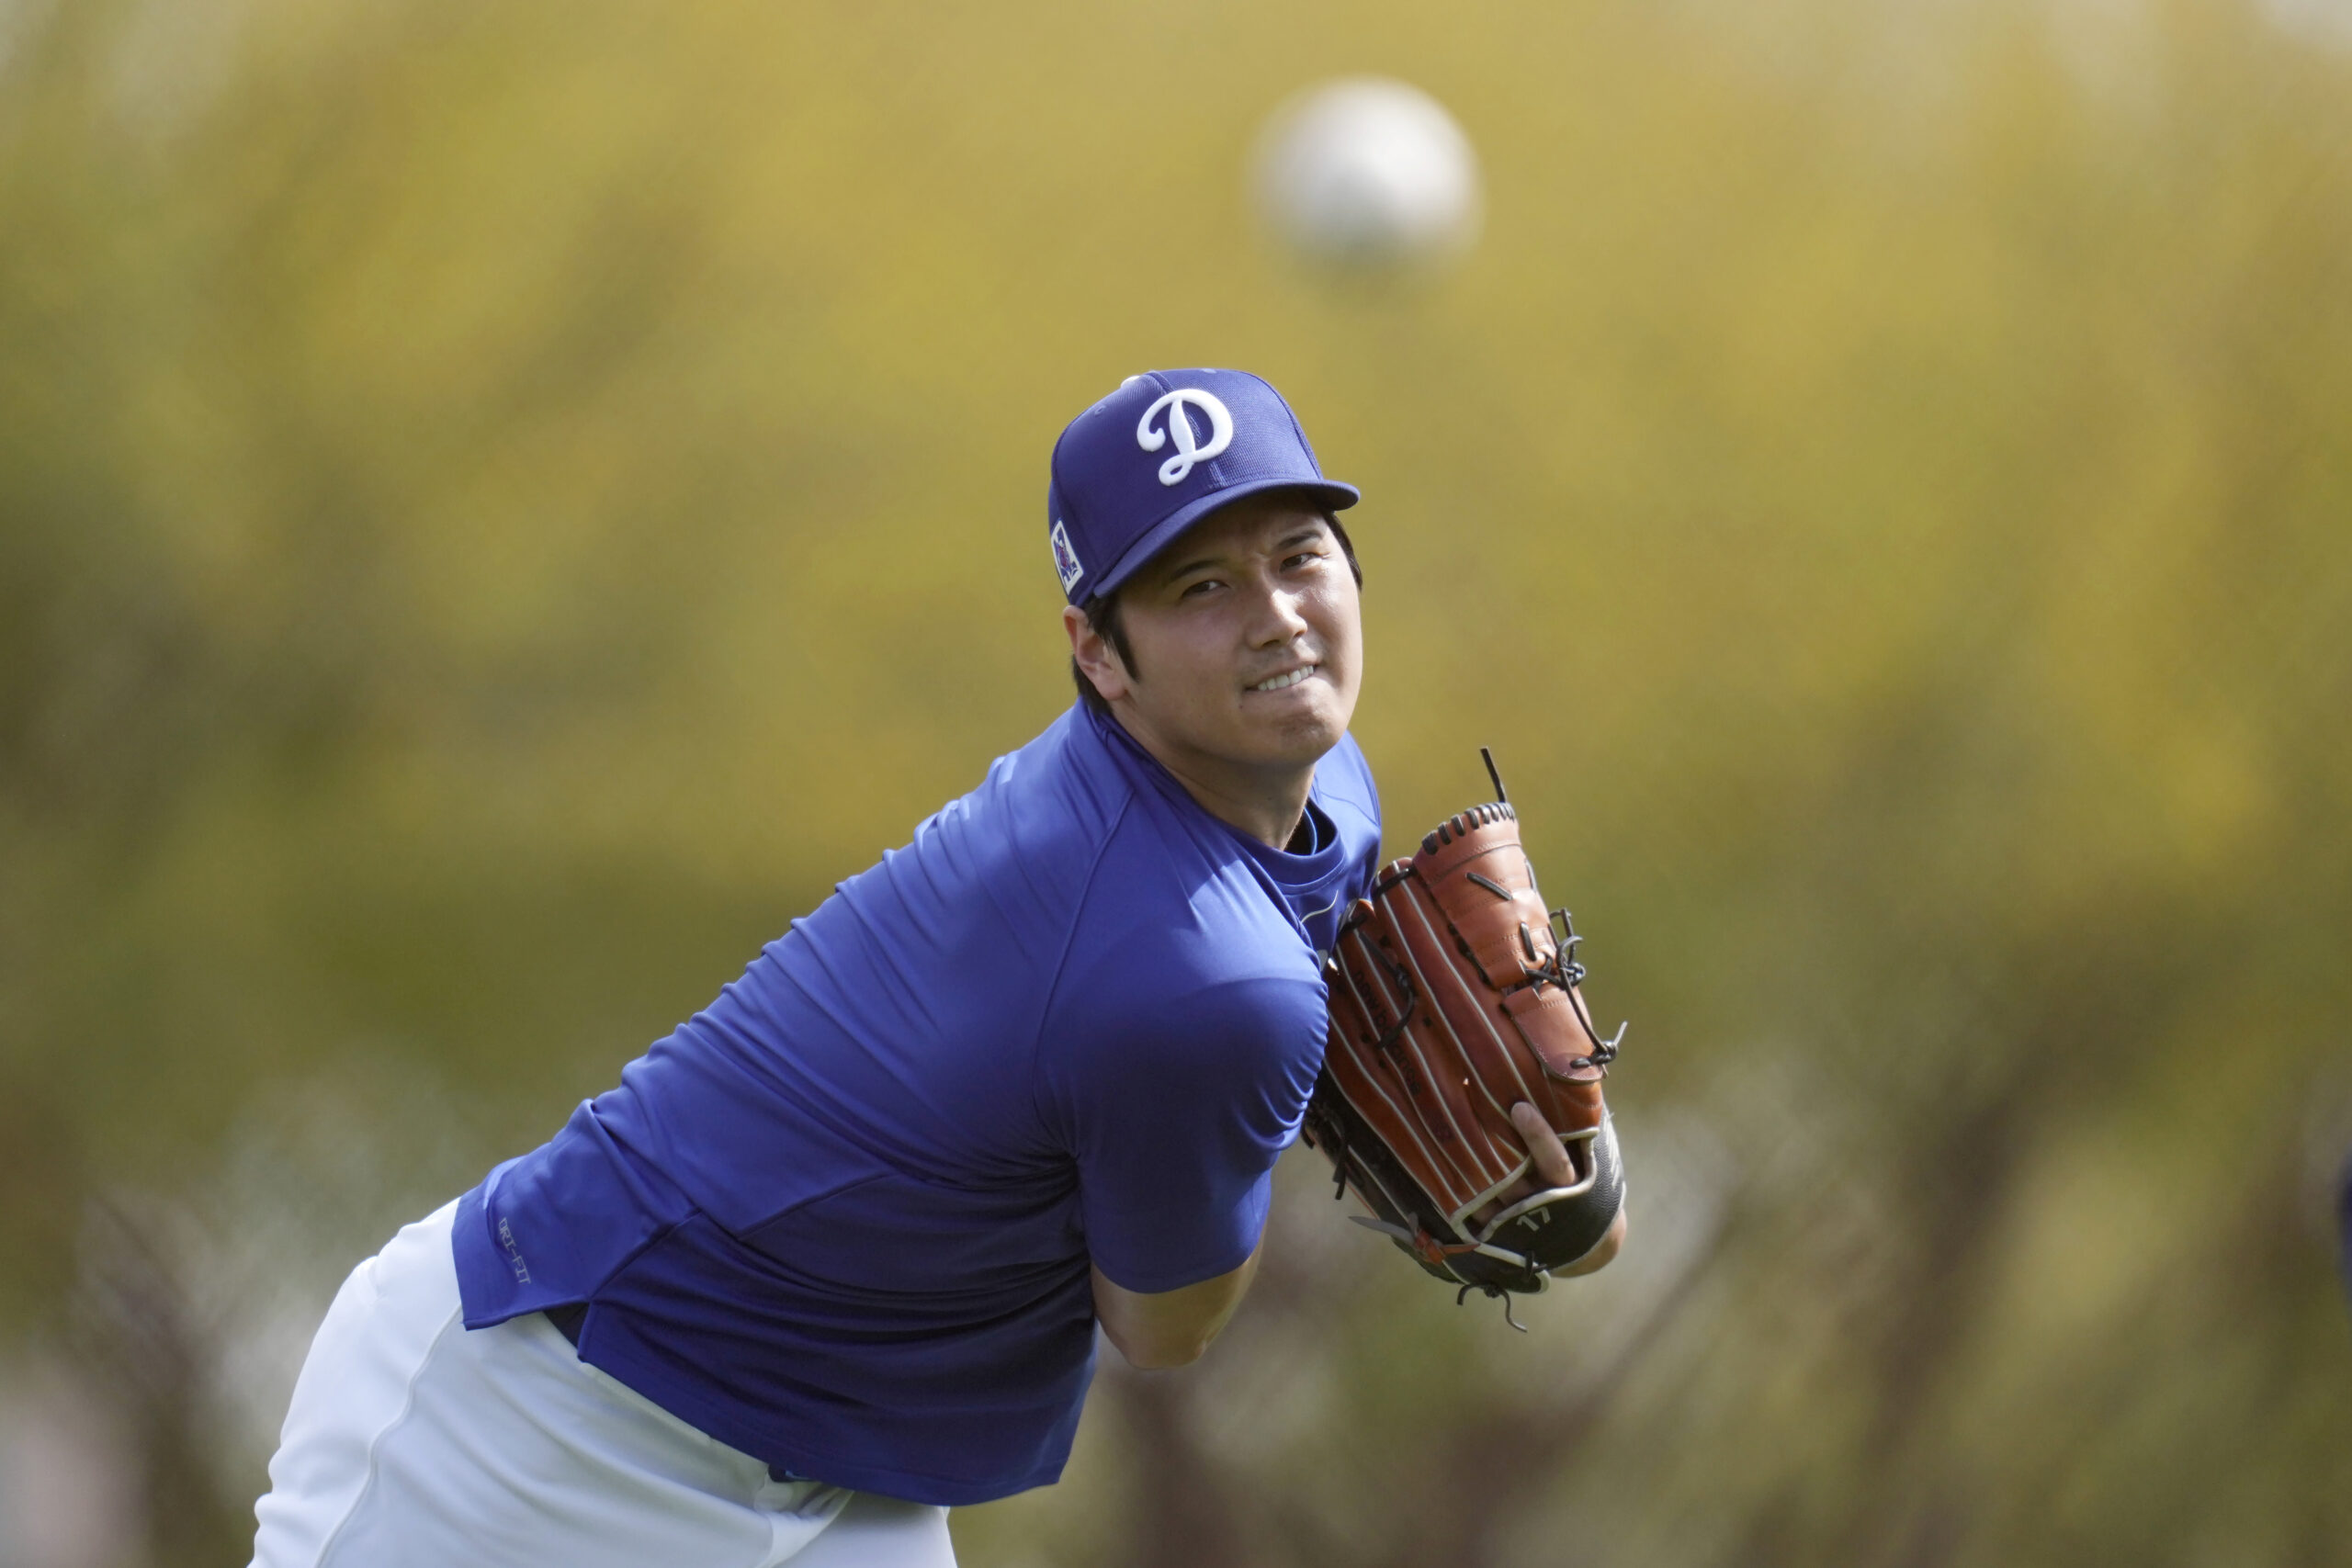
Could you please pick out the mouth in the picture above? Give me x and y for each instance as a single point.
(1285, 681)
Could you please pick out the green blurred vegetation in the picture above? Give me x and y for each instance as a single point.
(500, 505)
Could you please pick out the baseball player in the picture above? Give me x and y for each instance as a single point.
(832, 1257)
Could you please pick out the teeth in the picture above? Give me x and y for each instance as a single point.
(1279, 682)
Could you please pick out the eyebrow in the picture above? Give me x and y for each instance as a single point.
(1296, 536)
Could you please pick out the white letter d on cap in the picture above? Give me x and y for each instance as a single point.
(1179, 428)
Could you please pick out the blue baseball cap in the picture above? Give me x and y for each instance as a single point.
(1156, 455)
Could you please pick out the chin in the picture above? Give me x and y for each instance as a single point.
(1297, 740)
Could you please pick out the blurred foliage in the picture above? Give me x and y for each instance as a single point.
(500, 505)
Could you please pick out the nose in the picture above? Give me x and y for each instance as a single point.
(1280, 620)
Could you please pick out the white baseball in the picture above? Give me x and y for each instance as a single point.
(1368, 174)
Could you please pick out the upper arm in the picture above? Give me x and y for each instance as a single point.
(1174, 1061)
(1175, 1115)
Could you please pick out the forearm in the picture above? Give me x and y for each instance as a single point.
(1170, 1328)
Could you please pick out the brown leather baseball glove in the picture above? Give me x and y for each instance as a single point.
(1453, 998)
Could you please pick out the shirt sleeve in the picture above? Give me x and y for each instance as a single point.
(1176, 1112)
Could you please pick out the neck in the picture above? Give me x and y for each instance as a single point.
(1265, 803)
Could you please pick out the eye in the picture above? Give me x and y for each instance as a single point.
(1200, 588)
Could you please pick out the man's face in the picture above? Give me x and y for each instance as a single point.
(1248, 638)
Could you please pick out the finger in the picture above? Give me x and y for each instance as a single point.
(1551, 1156)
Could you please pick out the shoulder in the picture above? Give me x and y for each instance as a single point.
(1170, 1033)
(1183, 899)
(978, 905)
(1048, 808)
(1174, 944)
(1173, 913)
(1065, 772)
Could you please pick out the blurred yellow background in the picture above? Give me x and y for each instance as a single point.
(502, 504)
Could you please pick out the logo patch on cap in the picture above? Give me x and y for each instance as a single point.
(1189, 449)
(1066, 565)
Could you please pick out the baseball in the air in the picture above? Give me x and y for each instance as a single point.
(1368, 174)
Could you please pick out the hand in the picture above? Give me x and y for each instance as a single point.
(1554, 1166)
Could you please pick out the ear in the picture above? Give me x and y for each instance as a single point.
(1097, 659)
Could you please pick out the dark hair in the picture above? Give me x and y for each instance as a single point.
(1103, 616)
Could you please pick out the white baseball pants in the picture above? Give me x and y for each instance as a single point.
(412, 1443)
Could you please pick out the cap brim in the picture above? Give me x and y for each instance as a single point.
(1331, 493)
